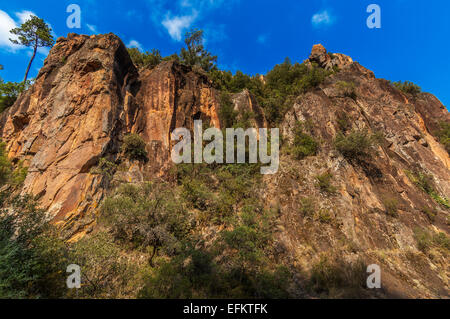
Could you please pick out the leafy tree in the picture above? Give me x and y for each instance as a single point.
(195, 54)
(33, 33)
(444, 135)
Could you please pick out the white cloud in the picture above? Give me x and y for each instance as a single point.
(91, 27)
(135, 44)
(323, 18)
(6, 24)
(176, 25)
(25, 15)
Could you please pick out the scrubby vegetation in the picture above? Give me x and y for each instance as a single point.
(407, 87)
(325, 184)
(444, 135)
(347, 89)
(425, 182)
(304, 144)
(356, 145)
(133, 147)
(145, 59)
(10, 91)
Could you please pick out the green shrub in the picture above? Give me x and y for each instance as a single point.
(303, 145)
(324, 183)
(407, 87)
(343, 121)
(357, 145)
(227, 114)
(134, 147)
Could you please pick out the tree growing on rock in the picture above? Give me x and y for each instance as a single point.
(195, 53)
(33, 33)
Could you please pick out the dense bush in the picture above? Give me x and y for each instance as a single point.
(134, 147)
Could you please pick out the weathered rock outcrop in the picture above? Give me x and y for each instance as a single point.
(89, 95)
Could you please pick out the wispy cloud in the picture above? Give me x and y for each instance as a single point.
(176, 17)
(176, 25)
(322, 19)
(91, 27)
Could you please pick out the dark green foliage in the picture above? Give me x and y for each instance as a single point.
(10, 91)
(145, 59)
(357, 145)
(343, 121)
(444, 135)
(195, 54)
(407, 87)
(134, 147)
(303, 145)
(32, 258)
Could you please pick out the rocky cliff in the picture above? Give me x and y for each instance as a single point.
(89, 95)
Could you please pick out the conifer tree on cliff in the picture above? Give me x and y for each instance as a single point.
(33, 33)
(195, 54)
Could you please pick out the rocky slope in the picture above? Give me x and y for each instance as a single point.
(89, 95)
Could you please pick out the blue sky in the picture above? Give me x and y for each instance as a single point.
(252, 36)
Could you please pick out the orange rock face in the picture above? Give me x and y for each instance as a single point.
(85, 98)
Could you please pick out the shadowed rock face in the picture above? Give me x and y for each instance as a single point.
(89, 95)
